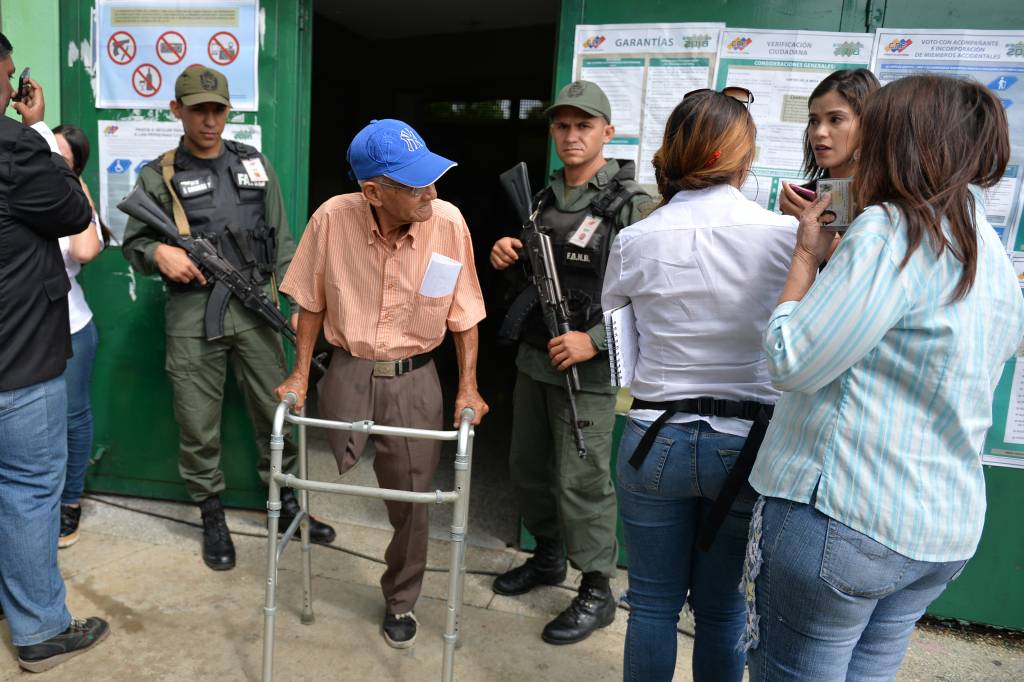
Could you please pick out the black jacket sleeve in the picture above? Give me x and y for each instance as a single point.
(45, 195)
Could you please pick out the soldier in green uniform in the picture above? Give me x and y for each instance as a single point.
(568, 503)
(228, 193)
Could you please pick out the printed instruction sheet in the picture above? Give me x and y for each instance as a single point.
(645, 69)
(994, 58)
(126, 146)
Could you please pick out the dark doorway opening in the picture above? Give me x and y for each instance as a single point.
(474, 80)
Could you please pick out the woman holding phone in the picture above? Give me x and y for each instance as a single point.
(78, 250)
(873, 491)
(701, 273)
(833, 134)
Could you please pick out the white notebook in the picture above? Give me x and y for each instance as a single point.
(623, 344)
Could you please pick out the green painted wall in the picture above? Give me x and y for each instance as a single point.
(32, 27)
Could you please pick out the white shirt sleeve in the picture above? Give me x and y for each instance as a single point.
(47, 135)
(613, 296)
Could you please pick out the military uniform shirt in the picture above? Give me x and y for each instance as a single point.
(185, 310)
(595, 375)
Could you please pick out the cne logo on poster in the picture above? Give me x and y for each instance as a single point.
(593, 42)
(739, 43)
(847, 49)
(898, 45)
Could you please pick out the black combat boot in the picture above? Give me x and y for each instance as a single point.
(218, 550)
(545, 567)
(592, 608)
(319, 532)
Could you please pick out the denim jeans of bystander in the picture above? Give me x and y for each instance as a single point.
(78, 378)
(33, 457)
(832, 603)
(663, 505)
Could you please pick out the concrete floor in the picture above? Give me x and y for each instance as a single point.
(138, 565)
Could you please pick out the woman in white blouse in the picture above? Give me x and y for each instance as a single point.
(702, 274)
(77, 250)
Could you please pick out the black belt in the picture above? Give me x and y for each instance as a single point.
(706, 407)
(394, 368)
(759, 413)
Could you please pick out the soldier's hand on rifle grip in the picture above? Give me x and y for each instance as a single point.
(505, 252)
(571, 348)
(176, 266)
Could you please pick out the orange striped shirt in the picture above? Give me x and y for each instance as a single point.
(371, 291)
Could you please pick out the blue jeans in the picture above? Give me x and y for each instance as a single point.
(663, 505)
(78, 377)
(833, 604)
(33, 455)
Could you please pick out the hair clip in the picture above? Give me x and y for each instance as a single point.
(714, 157)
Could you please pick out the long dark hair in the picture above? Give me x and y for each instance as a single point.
(709, 140)
(854, 86)
(79, 144)
(931, 137)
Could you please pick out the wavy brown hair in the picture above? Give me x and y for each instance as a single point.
(709, 140)
(932, 136)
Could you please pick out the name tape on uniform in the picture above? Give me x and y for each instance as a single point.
(244, 180)
(190, 188)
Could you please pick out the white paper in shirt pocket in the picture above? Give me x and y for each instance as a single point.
(442, 273)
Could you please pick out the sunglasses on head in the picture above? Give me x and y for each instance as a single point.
(741, 95)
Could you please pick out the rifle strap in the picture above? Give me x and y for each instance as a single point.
(167, 170)
(512, 326)
(273, 288)
(736, 482)
(216, 308)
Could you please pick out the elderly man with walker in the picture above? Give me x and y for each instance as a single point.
(386, 272)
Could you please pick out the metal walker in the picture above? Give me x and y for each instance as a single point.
(459, 497)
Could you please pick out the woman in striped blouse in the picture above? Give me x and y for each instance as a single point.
(873, 493)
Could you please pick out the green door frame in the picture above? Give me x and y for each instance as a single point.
(136, 449)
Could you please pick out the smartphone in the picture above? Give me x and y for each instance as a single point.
(23, 85)
(803, 192)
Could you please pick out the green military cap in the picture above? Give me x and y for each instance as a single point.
(585, 96)
(198, 84)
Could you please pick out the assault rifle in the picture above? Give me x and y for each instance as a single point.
(218, 271)
(544, 276)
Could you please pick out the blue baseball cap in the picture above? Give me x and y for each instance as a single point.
(393, 149)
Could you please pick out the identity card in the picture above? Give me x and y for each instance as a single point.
(842, 201)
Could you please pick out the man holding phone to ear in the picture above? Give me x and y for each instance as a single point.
(40, 201)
